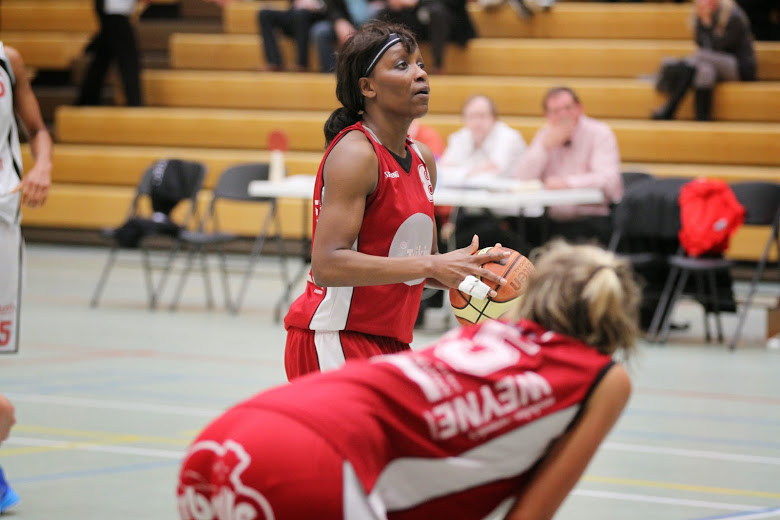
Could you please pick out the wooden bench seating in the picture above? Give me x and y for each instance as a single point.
(610, 98)
(45, 15)
(490, 57)
(113, 165)
(87, 207)
(52, 15)
(565, 20)
(639, 140)
(47, 50)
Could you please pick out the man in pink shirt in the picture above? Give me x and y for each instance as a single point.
(573, 150)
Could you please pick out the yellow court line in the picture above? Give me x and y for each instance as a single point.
(680, 487)
(30, 450)
(107, 437)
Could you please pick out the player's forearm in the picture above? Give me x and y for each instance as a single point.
(41, 147)
(348, 268)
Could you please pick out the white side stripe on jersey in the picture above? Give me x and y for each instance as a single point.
(408, 482)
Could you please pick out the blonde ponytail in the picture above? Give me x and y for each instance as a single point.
(585, 292)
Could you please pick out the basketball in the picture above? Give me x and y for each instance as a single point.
(515, 268)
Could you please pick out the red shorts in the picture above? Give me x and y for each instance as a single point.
(260, 464)
(314, 351)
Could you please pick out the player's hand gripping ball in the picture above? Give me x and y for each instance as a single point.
(515, 268)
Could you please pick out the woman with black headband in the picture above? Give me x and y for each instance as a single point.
(374, 238)
(502, 416)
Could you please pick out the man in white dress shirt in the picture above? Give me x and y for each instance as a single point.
(484, 150)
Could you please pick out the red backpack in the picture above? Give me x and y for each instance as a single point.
(709, 214)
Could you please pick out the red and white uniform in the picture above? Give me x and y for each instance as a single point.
(447, 432)
(398, 221)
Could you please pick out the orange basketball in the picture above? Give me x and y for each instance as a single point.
(515, 268)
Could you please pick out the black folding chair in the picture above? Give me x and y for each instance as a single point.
(761, 201)
(632, 181)
(233, 185)
(148, 225)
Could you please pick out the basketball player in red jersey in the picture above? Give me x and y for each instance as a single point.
(374, 240)
(493, 416)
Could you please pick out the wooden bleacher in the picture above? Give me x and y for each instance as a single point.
(213, 105)
(607, 98)
(568, 20)
(639, 140)
(587, 58)
(45, 15)
(47, 50)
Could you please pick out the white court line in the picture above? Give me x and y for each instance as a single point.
(642, 448)
(177, 455)
(664, 500)
(770, 513)
(86, 446)
(212, 413)
(114, 405)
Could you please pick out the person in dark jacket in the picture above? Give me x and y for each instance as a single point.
(724, 53)
(296, 22)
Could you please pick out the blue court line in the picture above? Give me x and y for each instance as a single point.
(743, 514)
(695, 438)
(93, 472)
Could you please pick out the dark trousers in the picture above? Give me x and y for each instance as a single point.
(116, 41)
(490, 229)
(437, 28)
(295, 23)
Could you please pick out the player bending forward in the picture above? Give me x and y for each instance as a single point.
(488, 413)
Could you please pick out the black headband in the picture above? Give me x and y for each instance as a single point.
(391, 40)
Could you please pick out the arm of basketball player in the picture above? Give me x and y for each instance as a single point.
(570, 455)
(7, 418)
(35, 184)
(350, 176)
(430, 163)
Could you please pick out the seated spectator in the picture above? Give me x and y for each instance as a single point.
(434, 21)
(343, 17)
(428, 136)
(572, 150)
(483, 150)
(724, 53)
(295, 22)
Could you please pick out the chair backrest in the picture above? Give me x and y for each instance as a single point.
(193, 173)
(630, 178)
(761, 201)
(233, 183)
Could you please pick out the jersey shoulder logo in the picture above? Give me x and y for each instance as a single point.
(222, 495)
(425, 178)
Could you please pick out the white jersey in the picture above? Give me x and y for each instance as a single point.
(10, 151)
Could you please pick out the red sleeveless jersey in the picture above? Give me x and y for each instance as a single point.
(398, 221)
(452, 430)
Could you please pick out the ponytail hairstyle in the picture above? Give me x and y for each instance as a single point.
(585, 292)
(354, 62)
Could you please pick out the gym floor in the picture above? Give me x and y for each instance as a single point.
(108, 399)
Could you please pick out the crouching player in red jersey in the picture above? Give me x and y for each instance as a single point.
(493, 412)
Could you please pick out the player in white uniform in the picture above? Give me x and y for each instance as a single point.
(17, 100)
